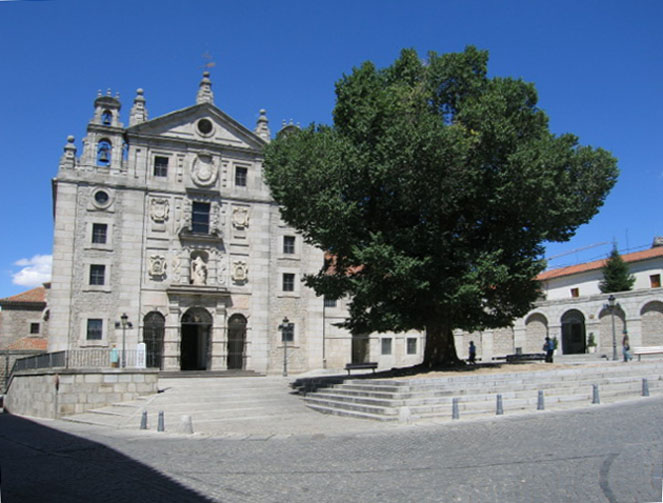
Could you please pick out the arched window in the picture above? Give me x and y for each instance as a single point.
(103, 153)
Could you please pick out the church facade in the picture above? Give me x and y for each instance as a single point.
(169, 222)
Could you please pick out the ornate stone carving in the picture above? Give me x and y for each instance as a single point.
(240, 217)
(177, 262)
(157, 266)
(198, 271)
(240, 271)
(159, 209)
(204, 170)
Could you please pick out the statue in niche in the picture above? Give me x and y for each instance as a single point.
(198, 271)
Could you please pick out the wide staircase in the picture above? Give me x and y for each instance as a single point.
(473, 395)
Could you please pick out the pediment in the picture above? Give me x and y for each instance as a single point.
(204, 123)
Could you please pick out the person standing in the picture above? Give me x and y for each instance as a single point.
(626, 348)
(473, 353)
(549, 347)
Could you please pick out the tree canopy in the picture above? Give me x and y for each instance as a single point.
(616, 275)
(434, 190)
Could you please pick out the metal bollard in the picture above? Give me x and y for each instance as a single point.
(500, 408)
(161, 426)
(539, 403)
(645, 387)
(454, 409)
(595, 393)
(143, 421)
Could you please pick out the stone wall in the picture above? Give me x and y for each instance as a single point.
(7, 359)
(35, 393)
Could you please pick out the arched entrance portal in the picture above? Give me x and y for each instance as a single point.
(236, 342)
(196, 333)
(153, 329)
(573, 332)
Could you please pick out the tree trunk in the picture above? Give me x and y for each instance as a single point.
(440, 348)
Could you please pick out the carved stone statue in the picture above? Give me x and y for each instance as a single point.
(198, 271)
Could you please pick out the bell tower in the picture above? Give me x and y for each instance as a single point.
(103, 146)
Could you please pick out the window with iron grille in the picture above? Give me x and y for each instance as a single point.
(200, 217)
(240, 176)
(288, 282)
(160, 166)
(99, 233)
(412, 345)
(386, 346)
(330, 302)
(94, 329)
(97, 274)
(34, 328)
(289, 244)
(655, 280)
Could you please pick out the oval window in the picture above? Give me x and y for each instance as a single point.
(205, 126)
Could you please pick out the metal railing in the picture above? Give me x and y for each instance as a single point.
(77, 358)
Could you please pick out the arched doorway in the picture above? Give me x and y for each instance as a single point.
(573, 332)
(236, 342)
(196, 333)
(153, 330)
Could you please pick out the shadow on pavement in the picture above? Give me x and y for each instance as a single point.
(40, 464)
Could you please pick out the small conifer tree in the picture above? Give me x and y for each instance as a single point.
(616, 276)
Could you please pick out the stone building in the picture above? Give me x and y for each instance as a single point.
(574, 310)
(170, 222)
(24, 321)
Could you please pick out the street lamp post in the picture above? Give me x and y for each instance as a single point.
(287, 333)
(612, 305)
(124, 323)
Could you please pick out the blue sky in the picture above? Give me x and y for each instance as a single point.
(596, 64)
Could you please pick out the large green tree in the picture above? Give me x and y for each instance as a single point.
(434, 191)
(616, 275)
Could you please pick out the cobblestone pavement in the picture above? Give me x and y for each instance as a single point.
(610, 453)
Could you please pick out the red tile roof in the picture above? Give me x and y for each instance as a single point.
(29, 343)
(598, 264)
(35, 295)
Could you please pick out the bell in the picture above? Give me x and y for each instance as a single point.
(103, 156)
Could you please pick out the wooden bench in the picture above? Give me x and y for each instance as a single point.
(361, 366)
(646, 350)
(525, 357)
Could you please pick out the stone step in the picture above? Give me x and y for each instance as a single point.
(348, 413)
(350, 407)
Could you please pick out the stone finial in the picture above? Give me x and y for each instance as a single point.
(205, 94)
(262, 126)
(138, 112)
(68, 159)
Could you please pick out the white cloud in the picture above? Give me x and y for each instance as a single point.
(34, 272)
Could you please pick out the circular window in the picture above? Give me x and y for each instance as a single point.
(101, 198)
(205, 126)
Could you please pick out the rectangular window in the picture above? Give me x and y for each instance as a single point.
(289, 244)
(34, 328)
(386, 346)
(94, 329)
(412, 345)
(200, 217)
(655, 280)
(288, 282)
(330, 302)
(99, 233)
(160, 166)
(575, 292)
(240, 176)
(97, 274)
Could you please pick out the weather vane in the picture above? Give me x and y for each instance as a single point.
(207, 57)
